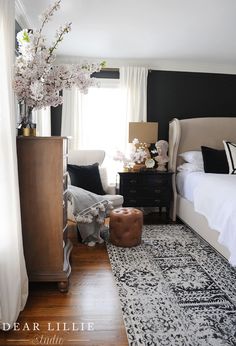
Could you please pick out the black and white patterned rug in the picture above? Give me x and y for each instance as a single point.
(175, 290)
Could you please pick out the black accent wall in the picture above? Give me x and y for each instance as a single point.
(17, 29)
(189, 95)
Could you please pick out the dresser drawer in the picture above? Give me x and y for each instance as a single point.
(65, 182)
(64, 162)
(65, 146)
(65, 235)
(64, 211)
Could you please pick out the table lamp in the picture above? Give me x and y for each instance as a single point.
(145, 132)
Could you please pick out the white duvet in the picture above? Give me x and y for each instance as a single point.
(214, 196)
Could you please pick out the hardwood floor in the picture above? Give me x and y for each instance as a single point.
(91, 303)
(54, 318)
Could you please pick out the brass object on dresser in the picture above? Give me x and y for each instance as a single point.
(42, 164)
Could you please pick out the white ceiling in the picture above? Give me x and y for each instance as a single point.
(199, 31)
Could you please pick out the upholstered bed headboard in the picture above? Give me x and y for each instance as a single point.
(191, 134)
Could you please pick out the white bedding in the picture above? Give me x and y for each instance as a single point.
(186, 183)
(214, 196)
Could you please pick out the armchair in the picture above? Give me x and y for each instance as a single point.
(88, 157)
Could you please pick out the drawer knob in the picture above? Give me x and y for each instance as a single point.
(132, 181)
(132, 191)
(157, 190)
(157, 200)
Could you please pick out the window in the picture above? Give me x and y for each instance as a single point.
(103, 122)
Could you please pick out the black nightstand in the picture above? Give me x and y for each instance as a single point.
(147, 188)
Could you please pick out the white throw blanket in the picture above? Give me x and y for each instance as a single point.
(215, 198)
(90, 211)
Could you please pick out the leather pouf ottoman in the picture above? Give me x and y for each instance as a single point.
(126, 227)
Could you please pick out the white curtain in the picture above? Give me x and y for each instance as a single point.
(13, 277)
(133, 81)
(71, 116)
(42, 118)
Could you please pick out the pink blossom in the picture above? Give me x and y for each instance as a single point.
(37, 81)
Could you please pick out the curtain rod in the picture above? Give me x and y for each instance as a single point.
(115, 69)
(110, 69)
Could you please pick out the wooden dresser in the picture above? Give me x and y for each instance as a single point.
(42, 164)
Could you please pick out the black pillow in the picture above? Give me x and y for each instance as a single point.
(86, 177)
(214, 161)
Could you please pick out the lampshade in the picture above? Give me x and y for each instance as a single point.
(144, 132)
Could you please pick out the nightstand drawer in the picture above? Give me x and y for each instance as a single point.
(146, 189)
(146, 202)
(154, 190)
(131, 202)
(157, 180)
(131, 181)
(129, 191)
(157, 183)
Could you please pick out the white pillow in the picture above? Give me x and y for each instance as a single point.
(230, 149)
(190, 167)
(192, 156)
